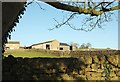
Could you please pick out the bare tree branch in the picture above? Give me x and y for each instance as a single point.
(65, 22)
(80, 10)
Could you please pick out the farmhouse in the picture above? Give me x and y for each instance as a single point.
(52, 45)
(12, 45)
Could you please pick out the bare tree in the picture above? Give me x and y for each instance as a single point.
(85, 46)
(97, 13)
(76, 45)
(88, 45)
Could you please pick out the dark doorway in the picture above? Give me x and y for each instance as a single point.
(61, 48)
(47, 46)
(71, 48)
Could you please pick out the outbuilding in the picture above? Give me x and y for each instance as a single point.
(12, 45)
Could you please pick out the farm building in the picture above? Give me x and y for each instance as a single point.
(52, 45)
(12, 45)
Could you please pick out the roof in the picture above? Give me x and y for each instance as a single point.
(13, 42)
(44, 42)
(64, 44)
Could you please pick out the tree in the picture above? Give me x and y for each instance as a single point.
(88, 7)
(97, 12)
(84, 46)
(76, 45)
(88, 45)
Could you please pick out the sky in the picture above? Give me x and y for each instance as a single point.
(34, 25)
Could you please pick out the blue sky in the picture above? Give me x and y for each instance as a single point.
(34, 25)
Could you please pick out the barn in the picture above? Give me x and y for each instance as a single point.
(12, 45)
(52, 45)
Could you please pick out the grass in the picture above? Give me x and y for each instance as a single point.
(30, 54)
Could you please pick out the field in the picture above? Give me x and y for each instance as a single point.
(31, 53)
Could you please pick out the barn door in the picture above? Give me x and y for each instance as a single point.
(47, 46)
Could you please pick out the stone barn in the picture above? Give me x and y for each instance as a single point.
(12, 45)
(52, 45)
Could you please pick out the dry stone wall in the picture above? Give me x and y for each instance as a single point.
(82, 67)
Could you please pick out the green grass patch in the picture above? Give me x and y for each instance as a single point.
(31, 54)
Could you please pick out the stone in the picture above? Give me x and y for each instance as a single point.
(88, 69)
(88, 66)
(75, 72)
(100, 70)
(62, 68)
(114, 78)
(91, 78)
(82, 72)
(94, 67)
(113, 59)
(101, 66)
(82, 59)
(112, 74)
(66, 77)
(54, 71)
(95, 59)
(82, 67)
(81, 77)
(88, 73)
(114, 69)
(95, 74)
(118, 73)
(102, 60)
(35, 77)
(103, 74)
(119, 61)
(99, 78)
(119, 64)
(88, 59)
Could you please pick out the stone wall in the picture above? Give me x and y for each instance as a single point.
(86, 67)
